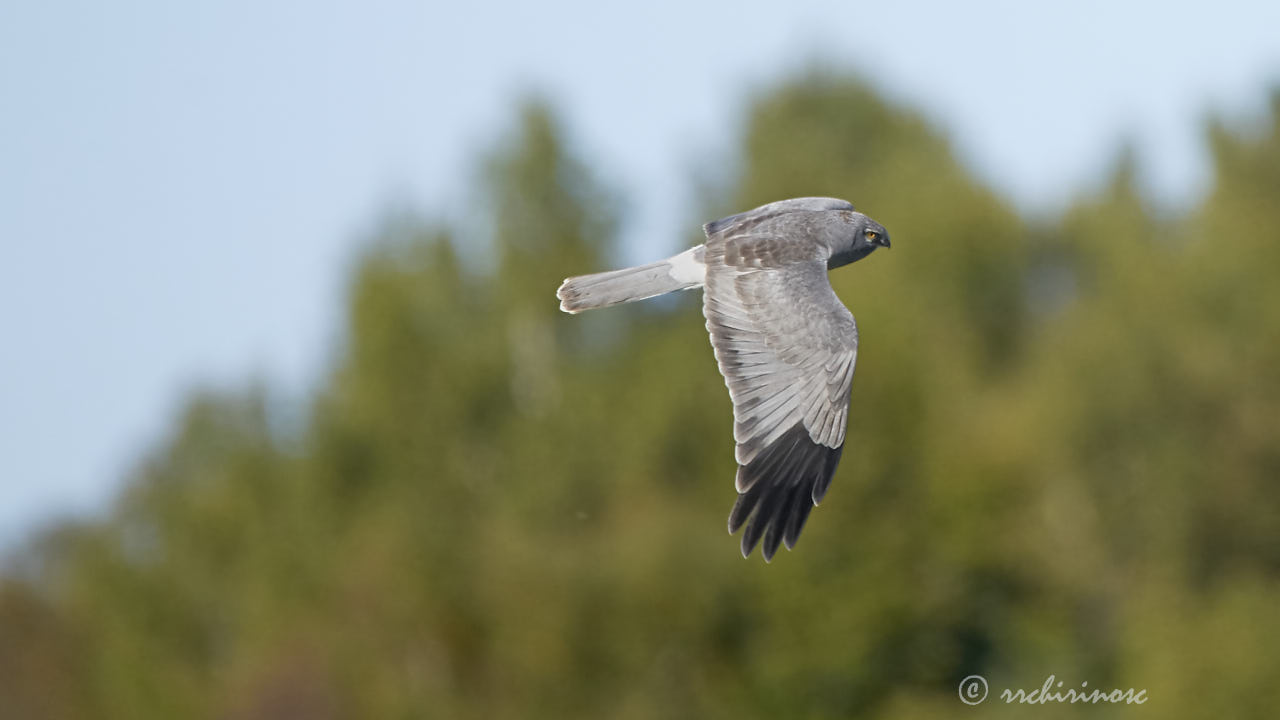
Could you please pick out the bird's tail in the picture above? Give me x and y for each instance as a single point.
(587, 292)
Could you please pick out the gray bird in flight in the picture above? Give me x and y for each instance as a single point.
(785, 344)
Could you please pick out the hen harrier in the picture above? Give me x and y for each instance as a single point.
(784, 342)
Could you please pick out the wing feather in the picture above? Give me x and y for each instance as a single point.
(786, 347)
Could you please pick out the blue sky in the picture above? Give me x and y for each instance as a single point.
(184, 185)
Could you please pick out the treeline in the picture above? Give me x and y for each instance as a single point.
(1062, 459)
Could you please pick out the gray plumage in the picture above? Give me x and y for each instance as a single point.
(784, 342)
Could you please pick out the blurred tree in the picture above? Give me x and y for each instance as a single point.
(40, 669)
(1061, 459)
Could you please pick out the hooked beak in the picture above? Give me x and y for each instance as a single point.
(883, 241)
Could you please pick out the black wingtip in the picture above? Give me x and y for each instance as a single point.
(785, 481)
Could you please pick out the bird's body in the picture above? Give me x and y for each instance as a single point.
(785, 344)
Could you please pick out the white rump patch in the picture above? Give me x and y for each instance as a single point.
(684, 268)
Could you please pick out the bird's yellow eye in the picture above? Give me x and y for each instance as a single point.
(871, 235)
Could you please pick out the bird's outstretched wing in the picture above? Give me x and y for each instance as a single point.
(786, 346)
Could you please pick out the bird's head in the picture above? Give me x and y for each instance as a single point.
(857, 236)
(869, 233)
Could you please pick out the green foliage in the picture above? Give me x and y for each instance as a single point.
(1061, 459)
